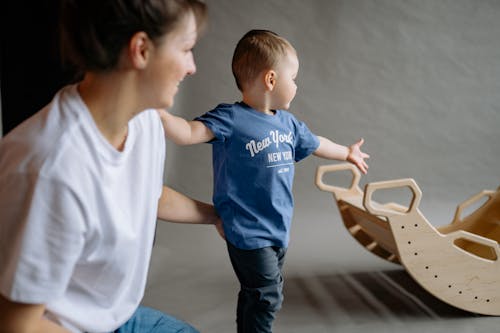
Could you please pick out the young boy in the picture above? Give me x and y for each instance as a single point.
(255, 145)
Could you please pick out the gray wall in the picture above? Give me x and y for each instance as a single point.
(418, 79)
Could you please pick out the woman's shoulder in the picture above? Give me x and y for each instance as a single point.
(148, 125)
(42, 141)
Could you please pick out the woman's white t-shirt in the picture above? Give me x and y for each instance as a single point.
(77, 217)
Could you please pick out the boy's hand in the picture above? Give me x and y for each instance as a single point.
(357, 157)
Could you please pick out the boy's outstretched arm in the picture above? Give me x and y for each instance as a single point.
(333, 151)
(183, 132)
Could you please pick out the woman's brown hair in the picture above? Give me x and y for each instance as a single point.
(94, 32)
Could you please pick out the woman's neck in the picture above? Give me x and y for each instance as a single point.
(110, 104)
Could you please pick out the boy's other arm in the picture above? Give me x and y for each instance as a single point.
(183, 132)
(333, 151)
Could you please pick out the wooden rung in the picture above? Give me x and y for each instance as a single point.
(354, 229)
(392, 258)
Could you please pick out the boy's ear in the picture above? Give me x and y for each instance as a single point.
(270, 79)
(139, 50)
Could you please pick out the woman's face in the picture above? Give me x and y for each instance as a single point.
(172, 61)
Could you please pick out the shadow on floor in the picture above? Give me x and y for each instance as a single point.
(364, 296)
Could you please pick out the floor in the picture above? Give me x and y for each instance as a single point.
(332, 284)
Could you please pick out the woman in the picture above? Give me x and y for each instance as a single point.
(81, 181)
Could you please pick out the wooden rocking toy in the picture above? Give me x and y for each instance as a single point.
(458, 263)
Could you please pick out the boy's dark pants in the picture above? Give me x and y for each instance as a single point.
(261, 295)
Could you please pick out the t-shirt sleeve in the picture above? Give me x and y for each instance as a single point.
(219, 121)
(41, 235)
(155, 128)
(306, 142)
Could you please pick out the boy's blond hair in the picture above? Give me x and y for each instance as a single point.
(257, 50)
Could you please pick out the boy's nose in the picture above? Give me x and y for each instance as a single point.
(191, 66)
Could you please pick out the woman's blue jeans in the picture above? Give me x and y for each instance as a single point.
(259, 272)
(147, 320)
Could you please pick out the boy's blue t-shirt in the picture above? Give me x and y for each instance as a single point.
(253, 164)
